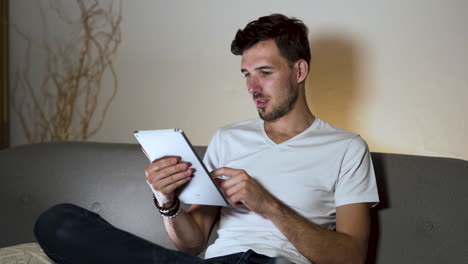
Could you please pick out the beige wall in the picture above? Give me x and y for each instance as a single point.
(393, 71)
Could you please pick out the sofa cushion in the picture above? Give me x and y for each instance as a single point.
(106, 178)
(30, 253)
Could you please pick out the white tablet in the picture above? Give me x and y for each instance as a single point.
(201, 189)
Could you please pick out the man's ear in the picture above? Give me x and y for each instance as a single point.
(302, 70)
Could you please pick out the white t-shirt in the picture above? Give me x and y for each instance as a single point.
(313, 173)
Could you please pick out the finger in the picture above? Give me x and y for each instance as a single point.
(219, 181)
(174, 185)
(164, 183)
(161, 184)
(234, 181)
(231, 188)
(237, 199)
(225, 171)
(161, 163)
(168, 171)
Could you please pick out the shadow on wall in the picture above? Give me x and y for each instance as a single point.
(334, 91)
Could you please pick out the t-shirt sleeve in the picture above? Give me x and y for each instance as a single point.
(356, 181)
(213, 154)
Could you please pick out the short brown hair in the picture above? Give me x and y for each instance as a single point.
(290, 35)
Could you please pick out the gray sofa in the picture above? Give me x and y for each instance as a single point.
(421, 218)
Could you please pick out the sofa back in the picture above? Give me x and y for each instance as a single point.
(420, 219)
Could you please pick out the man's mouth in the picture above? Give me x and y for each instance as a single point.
(261, 102)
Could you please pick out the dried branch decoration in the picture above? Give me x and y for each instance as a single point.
(64, 104)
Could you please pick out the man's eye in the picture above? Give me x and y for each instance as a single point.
(246, 75)
(265, 73)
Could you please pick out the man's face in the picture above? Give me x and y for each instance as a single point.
(270, 80)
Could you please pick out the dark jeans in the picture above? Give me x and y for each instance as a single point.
(71, 234)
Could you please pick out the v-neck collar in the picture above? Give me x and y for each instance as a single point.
(265, 135)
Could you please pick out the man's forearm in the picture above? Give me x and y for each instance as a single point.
(190, 229)
(315, 243)
(185, 233)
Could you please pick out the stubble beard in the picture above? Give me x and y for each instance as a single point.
(283, 108)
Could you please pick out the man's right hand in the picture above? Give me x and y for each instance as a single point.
(165, 175)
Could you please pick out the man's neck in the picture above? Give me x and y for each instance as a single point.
(290, 125)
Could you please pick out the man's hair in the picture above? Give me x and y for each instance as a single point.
(290, 35)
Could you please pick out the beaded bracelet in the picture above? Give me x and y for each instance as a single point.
(170, 212)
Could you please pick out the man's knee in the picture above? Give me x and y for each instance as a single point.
(55, 225)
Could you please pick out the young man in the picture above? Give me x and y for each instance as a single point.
(301, 187)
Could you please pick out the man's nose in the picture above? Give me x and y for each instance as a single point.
(253, 85)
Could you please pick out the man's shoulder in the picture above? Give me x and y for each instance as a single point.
(333, 134)
(324, 127)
